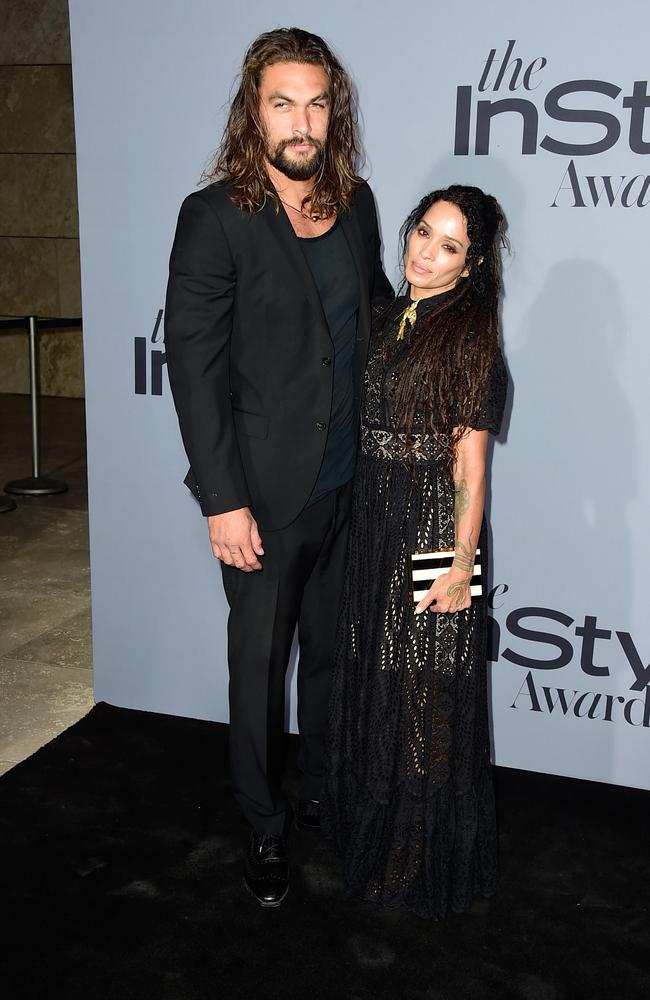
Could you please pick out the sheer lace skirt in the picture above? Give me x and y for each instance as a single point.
(408, 792)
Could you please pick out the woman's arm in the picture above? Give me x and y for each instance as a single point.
(451, 590)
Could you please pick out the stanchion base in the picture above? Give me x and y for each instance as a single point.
(7, 504)
(36, 486)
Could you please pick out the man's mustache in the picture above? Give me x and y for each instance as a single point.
(299, 141)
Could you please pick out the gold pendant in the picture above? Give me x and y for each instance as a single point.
(408, 316)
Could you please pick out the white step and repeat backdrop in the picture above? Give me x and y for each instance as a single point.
(543, 105)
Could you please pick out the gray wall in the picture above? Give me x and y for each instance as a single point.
(570, 483)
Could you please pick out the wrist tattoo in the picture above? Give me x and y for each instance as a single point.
(462, 498)
(465, 555)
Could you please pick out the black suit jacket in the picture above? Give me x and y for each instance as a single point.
(249, 352)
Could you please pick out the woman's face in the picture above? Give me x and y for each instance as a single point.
(436, 251)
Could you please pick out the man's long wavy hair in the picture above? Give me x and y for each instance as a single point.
(442, 378)
(241, 157)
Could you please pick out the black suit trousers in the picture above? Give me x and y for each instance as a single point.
(300, 584)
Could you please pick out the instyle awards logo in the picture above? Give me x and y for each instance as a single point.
(149, 361)
(544, 640)
(511, 84)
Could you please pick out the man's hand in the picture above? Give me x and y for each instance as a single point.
(235, 539)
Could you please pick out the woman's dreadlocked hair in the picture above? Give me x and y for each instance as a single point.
(442, 378)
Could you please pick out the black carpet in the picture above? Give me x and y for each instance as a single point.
(121, 878)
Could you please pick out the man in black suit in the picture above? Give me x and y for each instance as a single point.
(272, 272)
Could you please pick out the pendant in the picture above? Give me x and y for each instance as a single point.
(408, 316)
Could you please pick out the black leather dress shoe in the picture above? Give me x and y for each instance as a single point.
(307, 814)
(266, 868)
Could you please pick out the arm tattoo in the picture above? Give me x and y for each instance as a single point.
(465, 555)
(462, 498)
(463, 560)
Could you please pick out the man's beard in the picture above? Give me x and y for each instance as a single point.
(301, 169)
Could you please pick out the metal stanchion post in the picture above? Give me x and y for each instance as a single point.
(35, 485)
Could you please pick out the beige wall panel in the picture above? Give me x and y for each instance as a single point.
(34, 31)
(24, 264)
(29, 279)
(14, 362)
(39, 277)
(67, 252)
(61, 363)
(36, 109)
(38, 195)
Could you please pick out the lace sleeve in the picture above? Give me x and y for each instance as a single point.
(490, 413)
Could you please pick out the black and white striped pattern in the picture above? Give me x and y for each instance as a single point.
(428, 566)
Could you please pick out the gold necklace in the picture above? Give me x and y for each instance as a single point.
(314, 217)
(408, 316)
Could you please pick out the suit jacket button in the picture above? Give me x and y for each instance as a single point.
(326, 361)
(320, 426)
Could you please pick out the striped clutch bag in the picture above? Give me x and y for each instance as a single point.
(425, 567)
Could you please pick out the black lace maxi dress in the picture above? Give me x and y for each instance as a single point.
(408, 795)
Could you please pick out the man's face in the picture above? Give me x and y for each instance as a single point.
(294, 107)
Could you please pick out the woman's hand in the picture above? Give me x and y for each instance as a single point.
(450, 592)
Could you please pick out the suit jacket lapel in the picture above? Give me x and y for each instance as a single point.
(353, 235)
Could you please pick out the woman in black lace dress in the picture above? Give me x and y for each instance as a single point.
(408, 795)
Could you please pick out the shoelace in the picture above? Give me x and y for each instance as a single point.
(269, 847)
